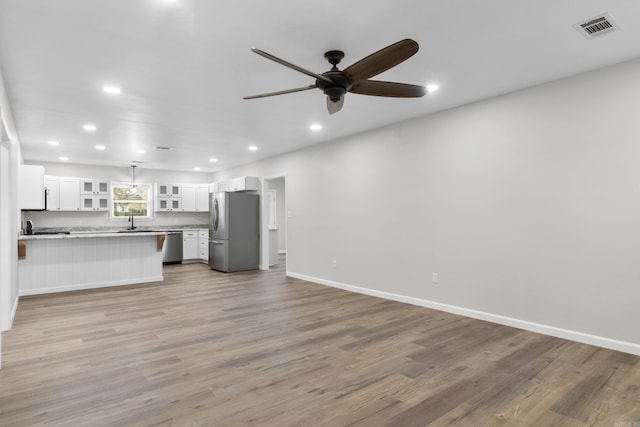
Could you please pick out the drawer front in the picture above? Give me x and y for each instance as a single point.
(189, 234)
(203, 234)
(203, 244)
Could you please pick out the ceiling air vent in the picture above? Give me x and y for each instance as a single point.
(600, 25)
(166, 148)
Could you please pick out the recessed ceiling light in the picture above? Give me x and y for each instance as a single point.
(432, 87)
(89, 127)
(213, 160)
(100, 147)
(140, 151)
(196, 169)
(316, 127)
(56, 143)
(63, 158)
(111, 90)
(253, 148)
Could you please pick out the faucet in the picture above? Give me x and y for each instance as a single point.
(133, 227)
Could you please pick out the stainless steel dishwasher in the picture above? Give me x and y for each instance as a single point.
(173, 247)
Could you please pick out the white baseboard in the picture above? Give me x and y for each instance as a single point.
(91, 286)
(581, 337)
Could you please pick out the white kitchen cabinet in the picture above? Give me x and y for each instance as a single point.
(52, 187)
(190, 244)
(169, 197)
(202, 197)
(169, 190)
(244, 183)
(203, 245)
(168, 204)
(69, 194)
(188, 197)
(94, 203)
(195, 197)
(94, 186)
(32, 192)
(214, 187)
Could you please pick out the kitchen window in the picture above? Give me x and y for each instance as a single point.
(131, 200)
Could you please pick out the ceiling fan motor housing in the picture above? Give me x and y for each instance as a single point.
(339, 85)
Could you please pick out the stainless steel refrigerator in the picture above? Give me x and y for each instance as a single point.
(234, 231)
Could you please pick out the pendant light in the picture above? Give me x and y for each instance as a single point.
(133, 186)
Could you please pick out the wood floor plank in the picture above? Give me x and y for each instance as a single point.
(204, 348)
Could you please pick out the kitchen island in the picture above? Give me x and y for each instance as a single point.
(86, 260)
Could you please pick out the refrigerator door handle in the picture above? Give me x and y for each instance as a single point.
(217, 242)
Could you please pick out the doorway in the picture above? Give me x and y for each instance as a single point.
(274, 221)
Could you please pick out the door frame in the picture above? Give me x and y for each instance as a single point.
(264, 218)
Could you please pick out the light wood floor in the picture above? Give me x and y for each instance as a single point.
(210, 349)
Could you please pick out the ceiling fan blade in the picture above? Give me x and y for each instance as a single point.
(391, 89)
(381, 60)
(281, 92)
(290, 65)
(334, 107)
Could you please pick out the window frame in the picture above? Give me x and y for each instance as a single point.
(125, 218)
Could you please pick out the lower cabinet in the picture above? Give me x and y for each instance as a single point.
(189, 244)
(195, 245)
(203, 246)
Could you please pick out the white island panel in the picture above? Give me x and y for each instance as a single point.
(66, 264)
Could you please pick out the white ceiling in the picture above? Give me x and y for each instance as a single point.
(185, 65)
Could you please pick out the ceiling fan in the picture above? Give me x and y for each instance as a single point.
(336, 83)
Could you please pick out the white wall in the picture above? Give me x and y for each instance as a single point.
(116, 174)
(10, 159)
(527, 205)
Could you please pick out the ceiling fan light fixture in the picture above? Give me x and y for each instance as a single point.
(335, 93)
(432, 87)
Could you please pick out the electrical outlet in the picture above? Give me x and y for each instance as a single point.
(435, 278)
(334, 263)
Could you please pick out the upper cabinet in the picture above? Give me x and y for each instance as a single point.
(182, 197)
(76, 194)
(169, 190)
(52, 188)
(69, 191)
(94, 186)
(188, 197)
(32, 190)
(202, 197)
(243, 183)
(87, 194)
